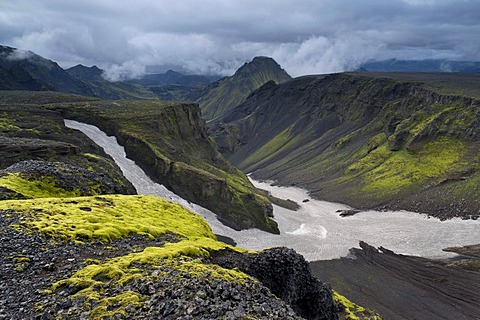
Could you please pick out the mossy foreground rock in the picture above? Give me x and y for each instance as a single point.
(141, 257)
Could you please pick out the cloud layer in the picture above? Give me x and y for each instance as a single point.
(216, 37)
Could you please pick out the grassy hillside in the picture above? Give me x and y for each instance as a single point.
(369, 141)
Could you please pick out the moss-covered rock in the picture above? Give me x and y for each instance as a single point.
(176, 277)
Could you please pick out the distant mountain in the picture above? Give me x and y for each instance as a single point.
(25, 70)
(228, 92)
(176, 86)
(172, 77)
(399, 141)
(430, 65)
(82, 72)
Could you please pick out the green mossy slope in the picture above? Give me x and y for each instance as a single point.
(107, 217)
(363, 140)
(113, 217)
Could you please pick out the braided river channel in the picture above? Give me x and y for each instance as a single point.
(315, 230)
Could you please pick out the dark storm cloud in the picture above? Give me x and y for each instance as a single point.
(218, 36)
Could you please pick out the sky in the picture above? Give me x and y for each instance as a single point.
(217, 36)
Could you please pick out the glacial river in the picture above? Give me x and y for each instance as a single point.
(315, 230)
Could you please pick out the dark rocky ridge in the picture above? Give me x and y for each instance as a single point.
(25, 70)
(405, 287)
(287, 275)
(335, 135)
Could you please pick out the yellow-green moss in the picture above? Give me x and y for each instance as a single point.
(43, 188)
(108, 217)
(90, 282)
(119, 303)
(387, 172)
(353, 311)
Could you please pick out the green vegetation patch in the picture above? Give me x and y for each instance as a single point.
(278, 144)
(108, 217)
(387, 172)
(42, 188)
(177, 261)
(353, 311)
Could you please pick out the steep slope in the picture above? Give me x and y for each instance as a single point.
(361, 139)
(228, 92)
(33, 72)
(407, 287)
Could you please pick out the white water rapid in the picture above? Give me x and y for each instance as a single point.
(316, 231)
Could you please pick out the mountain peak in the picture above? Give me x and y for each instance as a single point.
(233, 90)
(86, 73)
(260, 63)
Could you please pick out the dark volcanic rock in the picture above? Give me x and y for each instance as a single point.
(404, 287)
(346, 213)
(69, 177)
(31, 264)
(288, 276)
(15, 149)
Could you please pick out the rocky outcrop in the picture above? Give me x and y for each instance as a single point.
(287, 275)
(371, 141)
(141, 257)
(36, 146)
(72, 178)
(15, 149)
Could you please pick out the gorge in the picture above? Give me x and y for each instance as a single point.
(316, 231)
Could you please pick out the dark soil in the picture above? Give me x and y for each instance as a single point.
(405, 287)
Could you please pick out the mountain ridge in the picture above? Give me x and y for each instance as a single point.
(343, 136)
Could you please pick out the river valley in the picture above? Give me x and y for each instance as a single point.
(315, 230)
